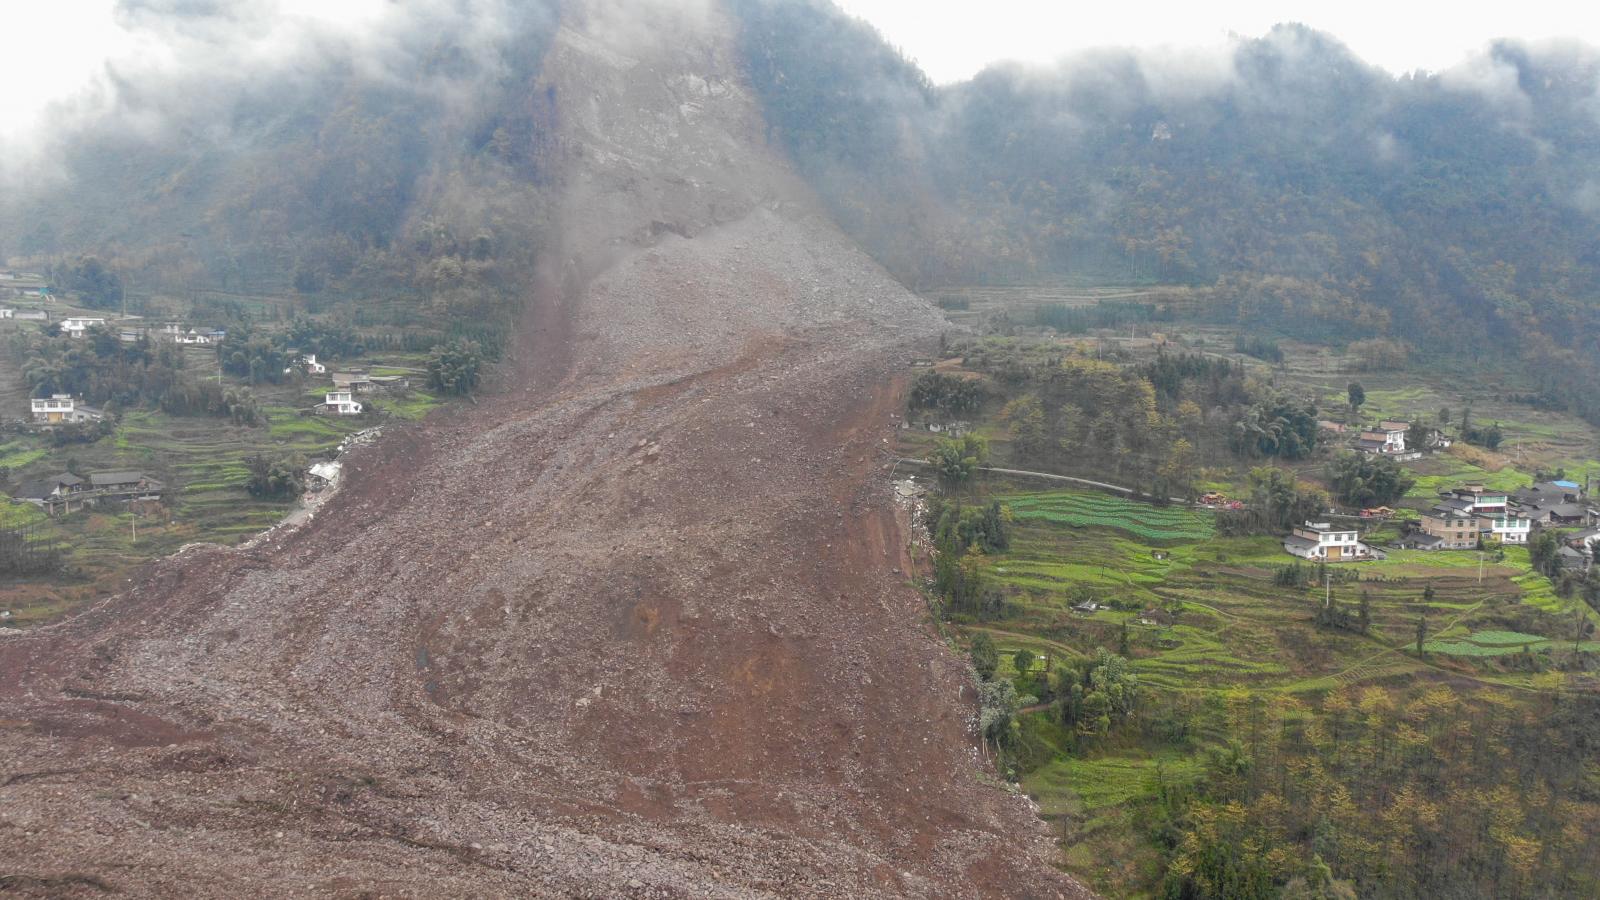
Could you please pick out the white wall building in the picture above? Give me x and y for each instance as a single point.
(341, 403)
(1384, 441)
(1508, 529)
(1323, 542)
(61, 409)
(75, 326)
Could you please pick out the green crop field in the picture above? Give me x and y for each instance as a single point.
(1081, 509)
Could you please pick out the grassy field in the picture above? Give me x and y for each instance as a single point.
(1205, 619)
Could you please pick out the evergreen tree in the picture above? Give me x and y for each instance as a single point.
(985, 658)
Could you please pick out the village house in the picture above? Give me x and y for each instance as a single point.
(24, 284)
(31, 315)
(312, 367)
(55, 486)
(66, 491)
(1322, 542)
(124, 484)
(193, 336)
(324, 474)
(1552, 503)
(1450, 525)
(7, 312)
(1573, 560)
(56, 493)
(1508, 528)
(1585, 540)
(1479, 498)
(76, 326)
(1388, 439)
(341, 403)
(61, 409)
(355, 382)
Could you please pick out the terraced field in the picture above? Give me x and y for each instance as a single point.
(1204, 619)
(200, 459)
(970, 304)
(1081, 509)
(1500, 643)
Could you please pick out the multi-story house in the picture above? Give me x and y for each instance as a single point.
(60, 409)
(341, 403)
(1322, 542)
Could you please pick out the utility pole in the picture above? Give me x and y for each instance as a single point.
(1327, 597)
(1480, 568)
(133, 519)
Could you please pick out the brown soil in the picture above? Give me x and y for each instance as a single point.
(631, 625)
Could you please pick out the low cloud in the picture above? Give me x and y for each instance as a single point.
(193, 67)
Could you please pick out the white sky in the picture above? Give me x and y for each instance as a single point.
(59, 47)
(953, 39)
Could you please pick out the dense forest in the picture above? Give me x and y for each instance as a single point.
(1286, 182)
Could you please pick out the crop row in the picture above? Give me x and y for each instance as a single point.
(1466, 648)
(1094, 510)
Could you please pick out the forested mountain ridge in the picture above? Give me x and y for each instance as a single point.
(1288, 182)
(409, 161)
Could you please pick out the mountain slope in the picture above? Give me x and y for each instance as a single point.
(630, 626)
(1295, 187)
(339, 167)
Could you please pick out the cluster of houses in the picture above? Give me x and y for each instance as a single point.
(341, 401)
(28, 285)
(169, 331)
(1388, 439)
(65, 492)
(128, 330)
(1468, 515)
(1466, 518)
(1580, 551)
(65, 409)
(24, 315)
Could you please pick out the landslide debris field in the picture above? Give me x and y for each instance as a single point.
(631, 625)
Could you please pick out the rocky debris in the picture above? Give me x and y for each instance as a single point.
(630, 626)
(360, 438)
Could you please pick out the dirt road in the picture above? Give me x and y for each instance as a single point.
(629, 626)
